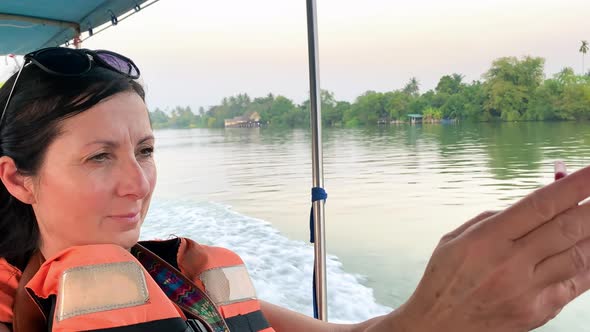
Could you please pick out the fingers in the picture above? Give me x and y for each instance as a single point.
(556, 296)
(559, 294)
(576, 286)
(461, 229)
(557, 235)
(542, 205)
(563, 266)
(559, 172)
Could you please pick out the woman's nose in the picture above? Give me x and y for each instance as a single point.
(133, 180)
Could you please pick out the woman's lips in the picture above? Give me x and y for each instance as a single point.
(127, 218)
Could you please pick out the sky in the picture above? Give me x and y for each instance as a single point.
(197, 52)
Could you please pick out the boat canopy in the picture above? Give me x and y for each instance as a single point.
(28, 25)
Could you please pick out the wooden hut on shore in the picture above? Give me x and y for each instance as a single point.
(244, 121)
(415, 118)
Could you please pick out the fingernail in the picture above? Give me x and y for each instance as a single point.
(559, 169)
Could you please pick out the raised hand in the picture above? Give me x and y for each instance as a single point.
(511, 270)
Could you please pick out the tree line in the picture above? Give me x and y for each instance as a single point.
(513, 89)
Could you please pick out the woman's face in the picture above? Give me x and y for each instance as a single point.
(97, 177)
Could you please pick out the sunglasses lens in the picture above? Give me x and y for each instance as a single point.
(63, 61)
(119, 63)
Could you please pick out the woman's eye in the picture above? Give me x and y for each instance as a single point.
(147, 152)
(100, 157)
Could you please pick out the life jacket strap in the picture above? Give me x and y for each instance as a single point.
(194, 302)
(28, 315)
(196, 326)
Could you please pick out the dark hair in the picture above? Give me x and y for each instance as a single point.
(40, 102)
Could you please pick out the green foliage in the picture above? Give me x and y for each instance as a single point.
(513, 89)
(368, 109)
(182, 117)
(396, 104)
(412, 88)
(454, 107)
(510, 84)
(473, 109)
(450, 84)
(431, 113)
(159, 119)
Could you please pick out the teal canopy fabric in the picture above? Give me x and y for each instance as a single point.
(28, 25)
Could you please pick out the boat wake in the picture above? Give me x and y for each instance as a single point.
(281, 268)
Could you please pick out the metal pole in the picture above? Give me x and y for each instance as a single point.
(317, 160)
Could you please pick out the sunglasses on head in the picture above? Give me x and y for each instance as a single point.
(62, 61)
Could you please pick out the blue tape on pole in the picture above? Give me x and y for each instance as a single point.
(317, 194)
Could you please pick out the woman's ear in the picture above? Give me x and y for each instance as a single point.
(17, 184)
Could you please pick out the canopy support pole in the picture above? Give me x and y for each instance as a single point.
(40, 21)
(317, 161)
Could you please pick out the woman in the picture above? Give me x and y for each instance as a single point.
(77, 171)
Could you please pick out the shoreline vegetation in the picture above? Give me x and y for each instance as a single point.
(513, 89)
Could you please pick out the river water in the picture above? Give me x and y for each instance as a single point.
(393, 192)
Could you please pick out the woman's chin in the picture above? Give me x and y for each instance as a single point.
(126, 240)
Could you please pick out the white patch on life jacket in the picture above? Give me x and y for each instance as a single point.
(228, 285)
(94, 288)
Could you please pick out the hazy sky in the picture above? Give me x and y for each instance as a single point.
(196, 52)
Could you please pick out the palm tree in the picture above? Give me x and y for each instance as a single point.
(412, 88)
(583, 50)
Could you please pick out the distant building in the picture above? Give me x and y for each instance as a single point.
(244, 121)
(415, 118)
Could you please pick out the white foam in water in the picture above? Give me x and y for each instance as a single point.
(281, 268)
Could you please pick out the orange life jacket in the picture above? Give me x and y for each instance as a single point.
(9, 278)
(104, 288)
